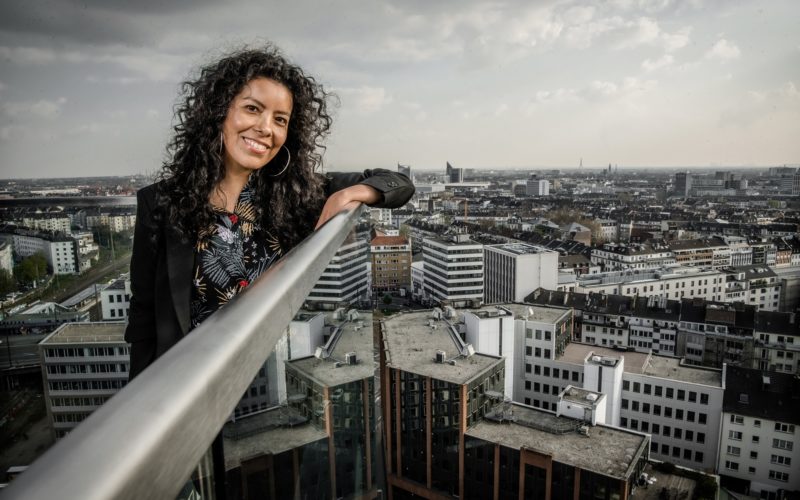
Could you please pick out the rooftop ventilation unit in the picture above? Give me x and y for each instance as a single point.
(591, 397)
(441, 356)
(350, 358)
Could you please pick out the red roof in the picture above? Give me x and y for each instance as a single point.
(389, 240)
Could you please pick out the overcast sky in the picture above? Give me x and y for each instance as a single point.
(87, 87)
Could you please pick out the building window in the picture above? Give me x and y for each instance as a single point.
(779, 476)
(782, 444)
(735, 435)
(528, 367)
(737, 419)
(731, 465)
(780, 460)
(780, 427)
(734, 451)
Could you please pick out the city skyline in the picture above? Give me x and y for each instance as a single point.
(88, 90)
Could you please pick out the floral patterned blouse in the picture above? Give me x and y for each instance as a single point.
(229, 255)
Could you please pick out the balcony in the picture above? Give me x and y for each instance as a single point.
(146, 441)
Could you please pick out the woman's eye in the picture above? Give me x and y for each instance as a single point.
(281, 120)
(252, 108)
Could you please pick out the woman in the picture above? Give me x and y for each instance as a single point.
(238, 191)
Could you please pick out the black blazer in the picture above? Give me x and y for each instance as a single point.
(162, 266)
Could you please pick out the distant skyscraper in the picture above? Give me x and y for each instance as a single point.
(537, 187)
(405, 170)
(454, 174)
(683, 184)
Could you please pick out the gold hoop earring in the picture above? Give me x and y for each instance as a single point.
(288, 160)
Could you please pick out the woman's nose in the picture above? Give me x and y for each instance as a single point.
(264, 125)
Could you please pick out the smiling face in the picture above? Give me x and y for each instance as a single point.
(256, 125)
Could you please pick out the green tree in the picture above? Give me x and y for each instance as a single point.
(31, 268)
(387, 299)
(7, 282)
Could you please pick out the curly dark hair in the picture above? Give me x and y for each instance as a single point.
(289, 203)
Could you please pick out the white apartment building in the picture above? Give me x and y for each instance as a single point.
(453, 270)
(755, 285)
(346, 280)
(418, 280)
(765, 252)
(537, 187)
(632, 256)
(513, 270)
(759, 447)
(609, 230)
(54, 223)
(59, 251)
(671, 283)
(7, 256)
(115, 222)
(777, 342)
(708, 252)
(83, 365)
(115, 300)
(655, 329)
(741, 252)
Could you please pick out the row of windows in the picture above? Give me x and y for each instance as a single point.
(564, 374)
(87, 385)
(664, 430)
(676, 452)
(670, 392)
(669, 412)
(94, 401)
(779, 426)
(73, 352)
(91, 368)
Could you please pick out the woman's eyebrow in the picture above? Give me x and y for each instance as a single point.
(254, 100)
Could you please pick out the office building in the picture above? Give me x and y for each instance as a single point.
(453, 175)
(513, 270)
(537, 187)
(453, 270)
(345, 280)
(83, 365)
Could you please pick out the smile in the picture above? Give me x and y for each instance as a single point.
(255, 146)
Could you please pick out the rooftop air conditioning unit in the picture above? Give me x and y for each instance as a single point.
(350, 358)
(441, 356)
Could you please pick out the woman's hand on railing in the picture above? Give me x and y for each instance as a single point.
(348, 198)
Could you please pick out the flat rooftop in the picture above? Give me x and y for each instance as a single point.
(411, 346)
(355, 336)
(84, 333)
(606, 450)
(520, 248)
(537, 313)
(645, 364)
(272, 431)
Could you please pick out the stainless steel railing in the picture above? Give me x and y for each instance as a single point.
(146, 440)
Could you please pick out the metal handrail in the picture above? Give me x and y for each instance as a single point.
(146, 440)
